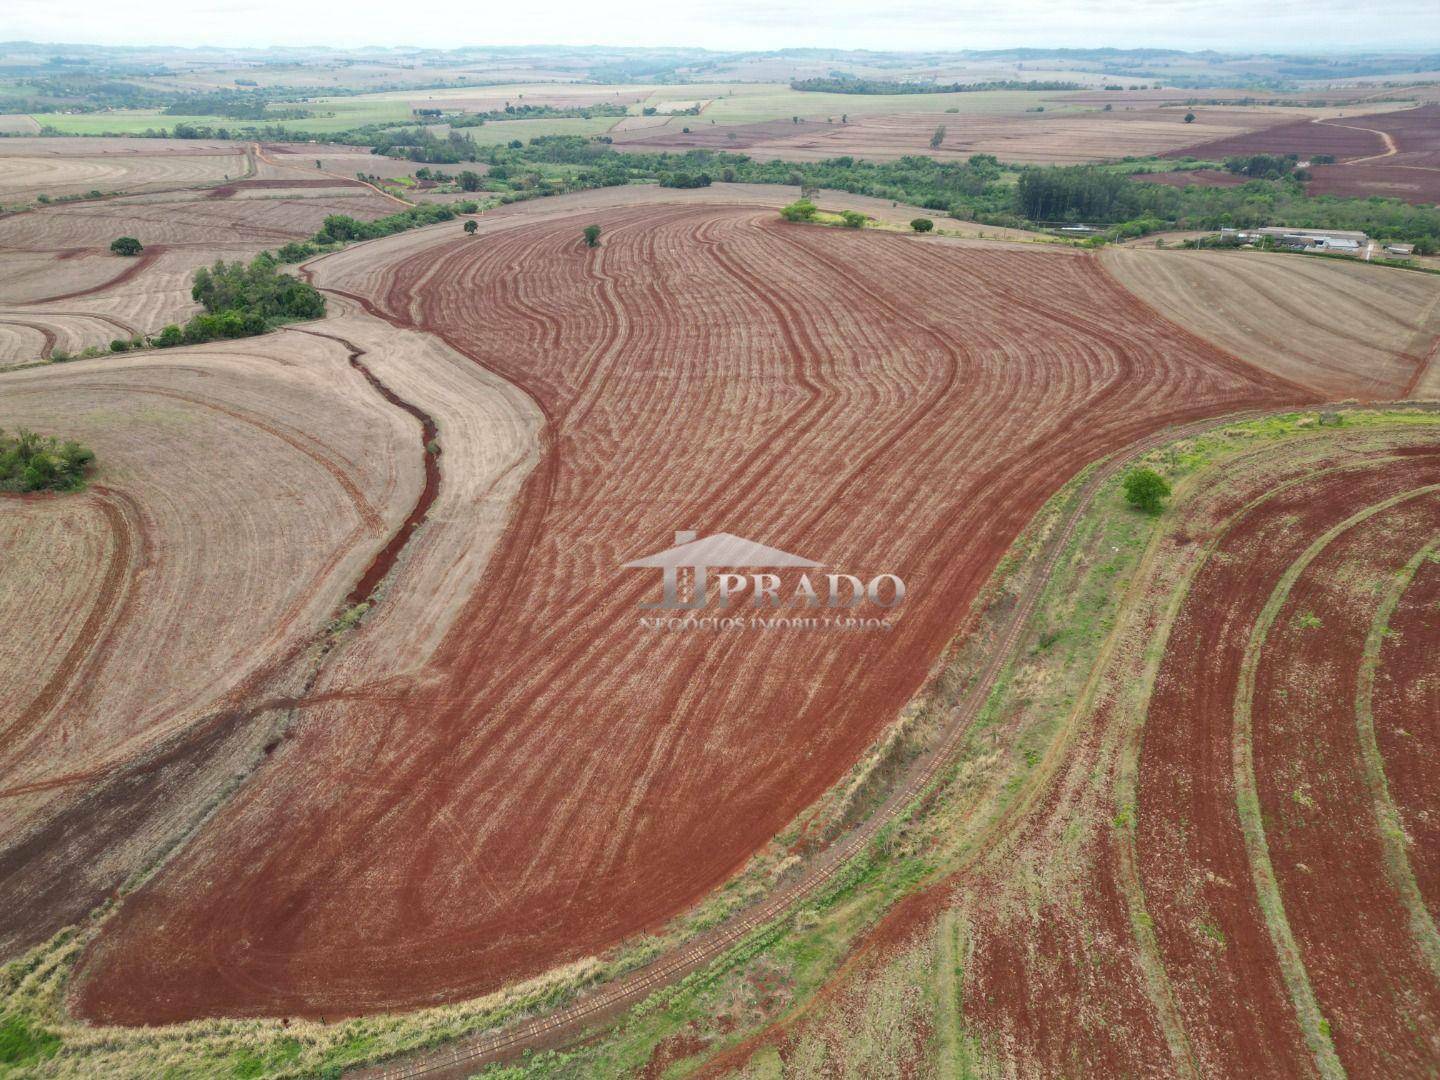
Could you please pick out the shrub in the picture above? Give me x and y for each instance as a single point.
(853, 219)
(1146, 490)
(296, 251)
(31, 462)
(800, 210)
(591, 234)
(126, 245)
(169, 337)
(922, 224)
(470, 227)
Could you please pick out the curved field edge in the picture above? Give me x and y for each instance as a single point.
(800, 952)
(818, 948)
(1388, 818)
(34, 987)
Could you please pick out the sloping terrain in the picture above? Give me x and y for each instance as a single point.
(1341, 329)
(551, 783)
(242, 488)
(1172, 848)
(1056, 137)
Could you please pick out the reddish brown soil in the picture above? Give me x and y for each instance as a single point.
(1193, 862)
(564, 778)
(1372, 983)
(1062, 986)
(1406, 708)
(1410, 183)
(1195, 178)
(1394, 154)
(1303, 137)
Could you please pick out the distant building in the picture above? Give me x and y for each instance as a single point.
(1323, 239)
(1403, 250)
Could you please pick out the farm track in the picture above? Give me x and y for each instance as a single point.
(569, 1025)
(818, 426)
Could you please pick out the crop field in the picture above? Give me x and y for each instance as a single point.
(61, 289)
(779, 445)
(1336, 327)
(1393, 154)
(1140, 868)
(1055, 136)
(335, 729)
(31, 167)
(207, 563)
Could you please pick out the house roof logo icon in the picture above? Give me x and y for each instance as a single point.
(718, 549)
(698, 555)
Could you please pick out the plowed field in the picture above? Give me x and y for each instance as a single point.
(242, 488)
(1390, 154)
(1055, 137)
(1340, 328)
(1255, 821)
(560, 777)
(1214, 856)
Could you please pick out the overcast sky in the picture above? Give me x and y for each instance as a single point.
(1231, 25)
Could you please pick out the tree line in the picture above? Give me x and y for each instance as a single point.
(851, 84)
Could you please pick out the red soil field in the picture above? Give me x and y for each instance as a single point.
(1373, 985)
(1193, 858)
(1303, 137)
(553, 782)
(1079, 951)
(1406, 708)
(1410, 183)
(1053, 979)
(1390, 154)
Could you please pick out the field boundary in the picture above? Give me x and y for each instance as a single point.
(471, 1052)
(1388, 822)
(1247, 796)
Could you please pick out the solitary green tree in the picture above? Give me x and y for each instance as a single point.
(592, 236)
(922, 224)
(126, 245)
(1189, 118)
(853, 219)
(1146, 490)
(937, 138)
(469, 180)
(470, 227)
